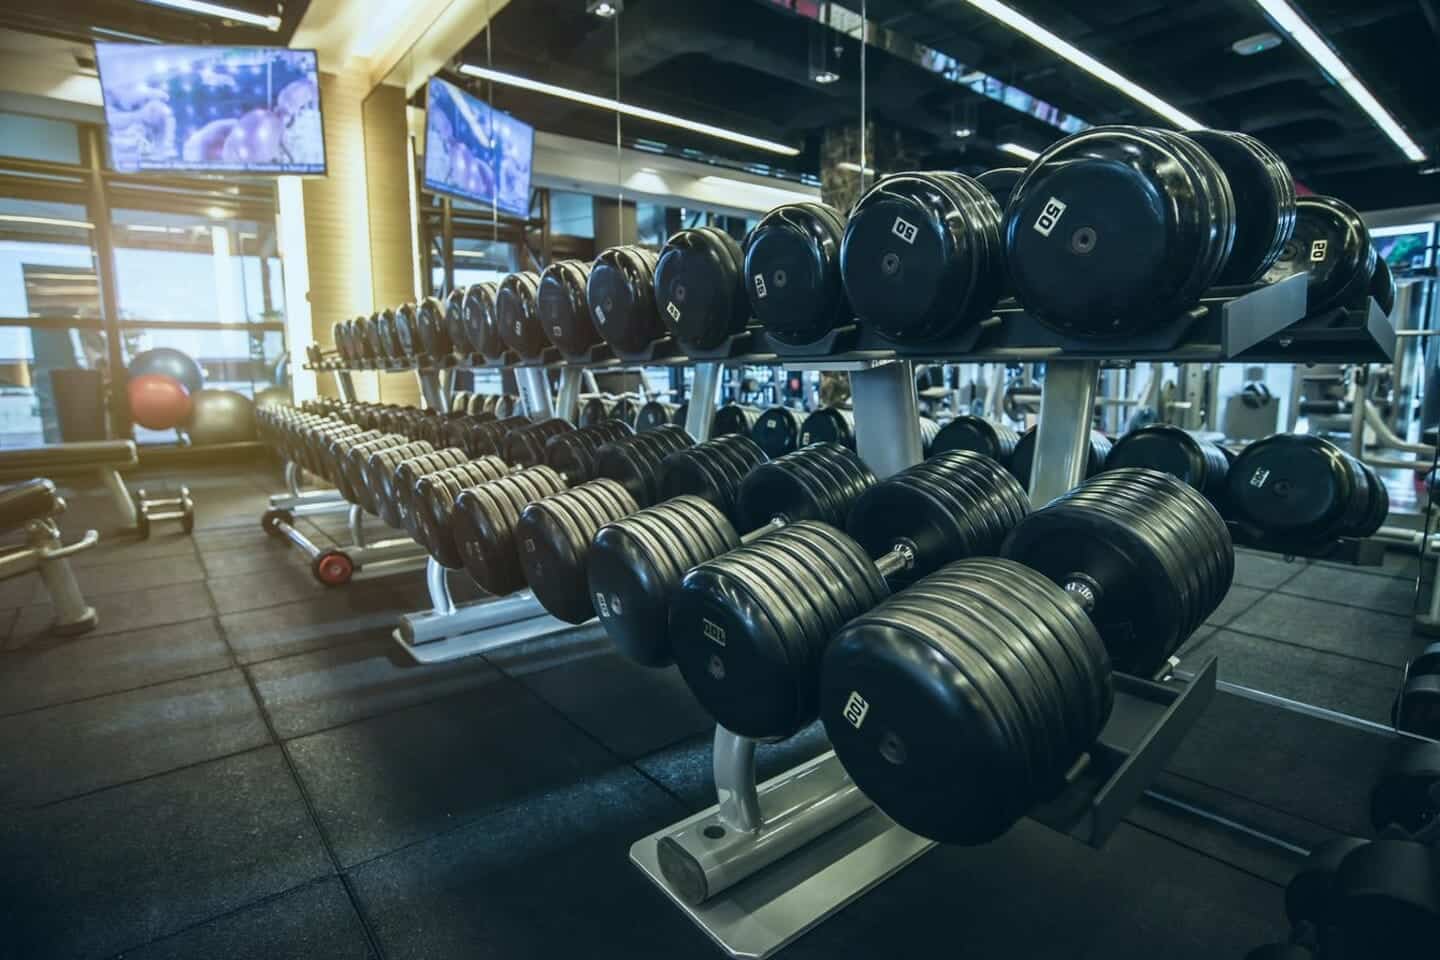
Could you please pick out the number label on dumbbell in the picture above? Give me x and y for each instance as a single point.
(1318, 250)
(601, 607)
(1050, 216)
(673, 310)
(713, 631)
(856, 708)
(1258, 478)
(760, 290)
(600, 315)
(905, 230)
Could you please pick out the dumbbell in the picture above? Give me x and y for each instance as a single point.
(777, 430)
(455, 328)
(482, 321)
(1304, 488)
(655, 413)
(362, 340)
(403, 332)
(1023, 459)
(515, 312)
(1000, 182)
(1417, 705)
(1089, 202)
(966, 699)
(427, 517)
(621, 293)
(1265, 206)
(525, 447)
(432, 329)
(965, 432)
(922, 257)
(337, 452)
(792, 272)
(734, 418)
(829, 425)
(1331, 246)
(625, 410)
(637, 562)
(396, 495)
(379, 477)
(340, 336)
(1382, 286)
(593, 410)
(1198, 462)
(1406, 794)
(481, 519)
(929, 431)
(1366, 899)
(380, 330)
(748, 628)
(483, 434)
(563, 309)
(698, 288)
(353, 468)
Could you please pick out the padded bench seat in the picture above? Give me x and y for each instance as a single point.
(61, 459)
(24, 502)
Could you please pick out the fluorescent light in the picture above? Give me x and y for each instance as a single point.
(853, 167)
(963, 132)
(271, 23)
(150, 228)
(1029, 28)
(760, 191)
(1259, 43)
(1024, 153)
(825, 76)
(1287, 19)
(71, 277)
(643, 113)
(1429, 171)
(45, 221)
(605, 9)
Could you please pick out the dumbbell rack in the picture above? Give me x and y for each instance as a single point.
(771, 860)
(451, 631)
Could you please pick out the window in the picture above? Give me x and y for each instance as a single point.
(39, 138)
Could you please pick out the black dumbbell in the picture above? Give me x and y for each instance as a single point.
(777, 430)
(483, 434)
(1089, 202)
(431, 329)
(1198, 462)
(965, 432)
(526, 447)
(655, 413)
(1417, 705)
(1264, 193)
(1382, 286)
(698, 288)
(1003, 665)
(515, 310)
(748, 628)
(455, 324)
(621, 293)
(829, 425)
(433, 504)
(1331, 246)
(792, 272)
(396, 494)
(1407, 792)
(485, 517)
(404, 338)
(637, 562)
(625, 410)
(1305, 489)
(734, 418)
(382, 332)
(482, 320)
(1000, 182)
(1023, 459)
(922, 257)
(1145, 553)
(363, 339)
(563, 307)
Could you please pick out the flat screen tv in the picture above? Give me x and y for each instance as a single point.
(1407, 247)
(253, 110)
(474, 152)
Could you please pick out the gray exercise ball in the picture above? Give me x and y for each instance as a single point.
(220, 416)
(276, 396)
(170, 362)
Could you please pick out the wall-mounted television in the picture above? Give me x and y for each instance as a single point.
(474, 152)
(1405, 247)
(253, 110)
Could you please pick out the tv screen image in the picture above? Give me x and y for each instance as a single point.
(474, 152)
(1405, 247)
(222, 109)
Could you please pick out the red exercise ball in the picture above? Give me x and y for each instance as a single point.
(158, 402)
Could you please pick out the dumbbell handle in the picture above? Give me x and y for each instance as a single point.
(900, 558)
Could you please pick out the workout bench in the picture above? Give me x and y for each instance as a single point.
(33, 507)
(103, 458)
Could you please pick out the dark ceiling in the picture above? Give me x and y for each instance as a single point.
(79, 20)
(746, 65)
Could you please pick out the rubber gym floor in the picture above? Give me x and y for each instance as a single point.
(236, 765)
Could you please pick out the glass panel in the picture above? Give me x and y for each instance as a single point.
(183, 268)
(29, 359)
(572, 214)
(47, 267)
(39, 138)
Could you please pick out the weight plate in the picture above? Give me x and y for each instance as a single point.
(515, 310)
(1260, 203)
(1382, 286)
(1022, 460)
(655, 413)
(1105, 231)
(733, 418)
(777, 431)
(405, 337)
(1332, 246)
(432, 328)
(697, 289)
(829, 425)
(1000, 182)
(482, 322)
(1292, 485)
(621, 293)
(562, 307)
(792, 273)
(455, 327)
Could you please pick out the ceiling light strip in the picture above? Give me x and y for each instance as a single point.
(1015, 150)
(1286, 18)
(1029, 28)
(628, 109)
(270, 22)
